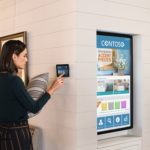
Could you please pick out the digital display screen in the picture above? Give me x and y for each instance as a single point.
(62, 69)
(114, 64)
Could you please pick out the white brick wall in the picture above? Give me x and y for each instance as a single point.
(125, 16)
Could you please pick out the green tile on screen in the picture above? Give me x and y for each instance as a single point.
(117, 105)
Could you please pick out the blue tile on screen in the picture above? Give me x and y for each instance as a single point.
(125, 119)
(109, 122)
(117, 120)
(101, 123)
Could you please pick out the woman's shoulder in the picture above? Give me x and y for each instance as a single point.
(14, 78)
(7, 75)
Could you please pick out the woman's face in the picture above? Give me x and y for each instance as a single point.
(21, 59)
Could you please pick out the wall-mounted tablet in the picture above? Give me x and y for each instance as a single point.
(114, 82)
(62, 68)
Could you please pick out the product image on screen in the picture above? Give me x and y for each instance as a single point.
(60, 69)
(114, 82)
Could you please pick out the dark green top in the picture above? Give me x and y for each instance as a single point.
(15, 100)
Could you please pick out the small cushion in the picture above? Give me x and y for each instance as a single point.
(110, 105)
(104, 106)
(117, 105)
(36, 88)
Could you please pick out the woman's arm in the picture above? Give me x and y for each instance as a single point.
(21, 94)
(56, 84)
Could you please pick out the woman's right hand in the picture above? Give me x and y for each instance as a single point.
(59, 81)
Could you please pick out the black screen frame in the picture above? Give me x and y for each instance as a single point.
(62, 65)
(131, 77)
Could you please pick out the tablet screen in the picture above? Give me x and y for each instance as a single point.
(62, 69)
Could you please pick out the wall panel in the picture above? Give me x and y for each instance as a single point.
(6, 3)
(135, 3)
(117, 10)
(45, 12)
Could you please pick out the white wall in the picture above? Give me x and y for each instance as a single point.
(124, 16)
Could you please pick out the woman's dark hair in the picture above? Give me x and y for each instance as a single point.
(9, 48)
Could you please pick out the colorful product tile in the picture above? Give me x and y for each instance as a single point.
(123, 104)
(110, 105)
(117, 105)
(104, 106)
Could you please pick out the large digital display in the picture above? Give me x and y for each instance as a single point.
(114, 82)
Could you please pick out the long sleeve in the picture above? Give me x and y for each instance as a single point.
(25, 99)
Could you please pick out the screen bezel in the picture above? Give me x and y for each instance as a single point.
(62, 65)
(131, 77)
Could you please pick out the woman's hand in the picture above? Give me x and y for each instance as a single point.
(59, 81)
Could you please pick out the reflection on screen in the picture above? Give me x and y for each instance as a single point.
(62, 69)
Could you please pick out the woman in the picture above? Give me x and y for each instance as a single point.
(15, 100)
